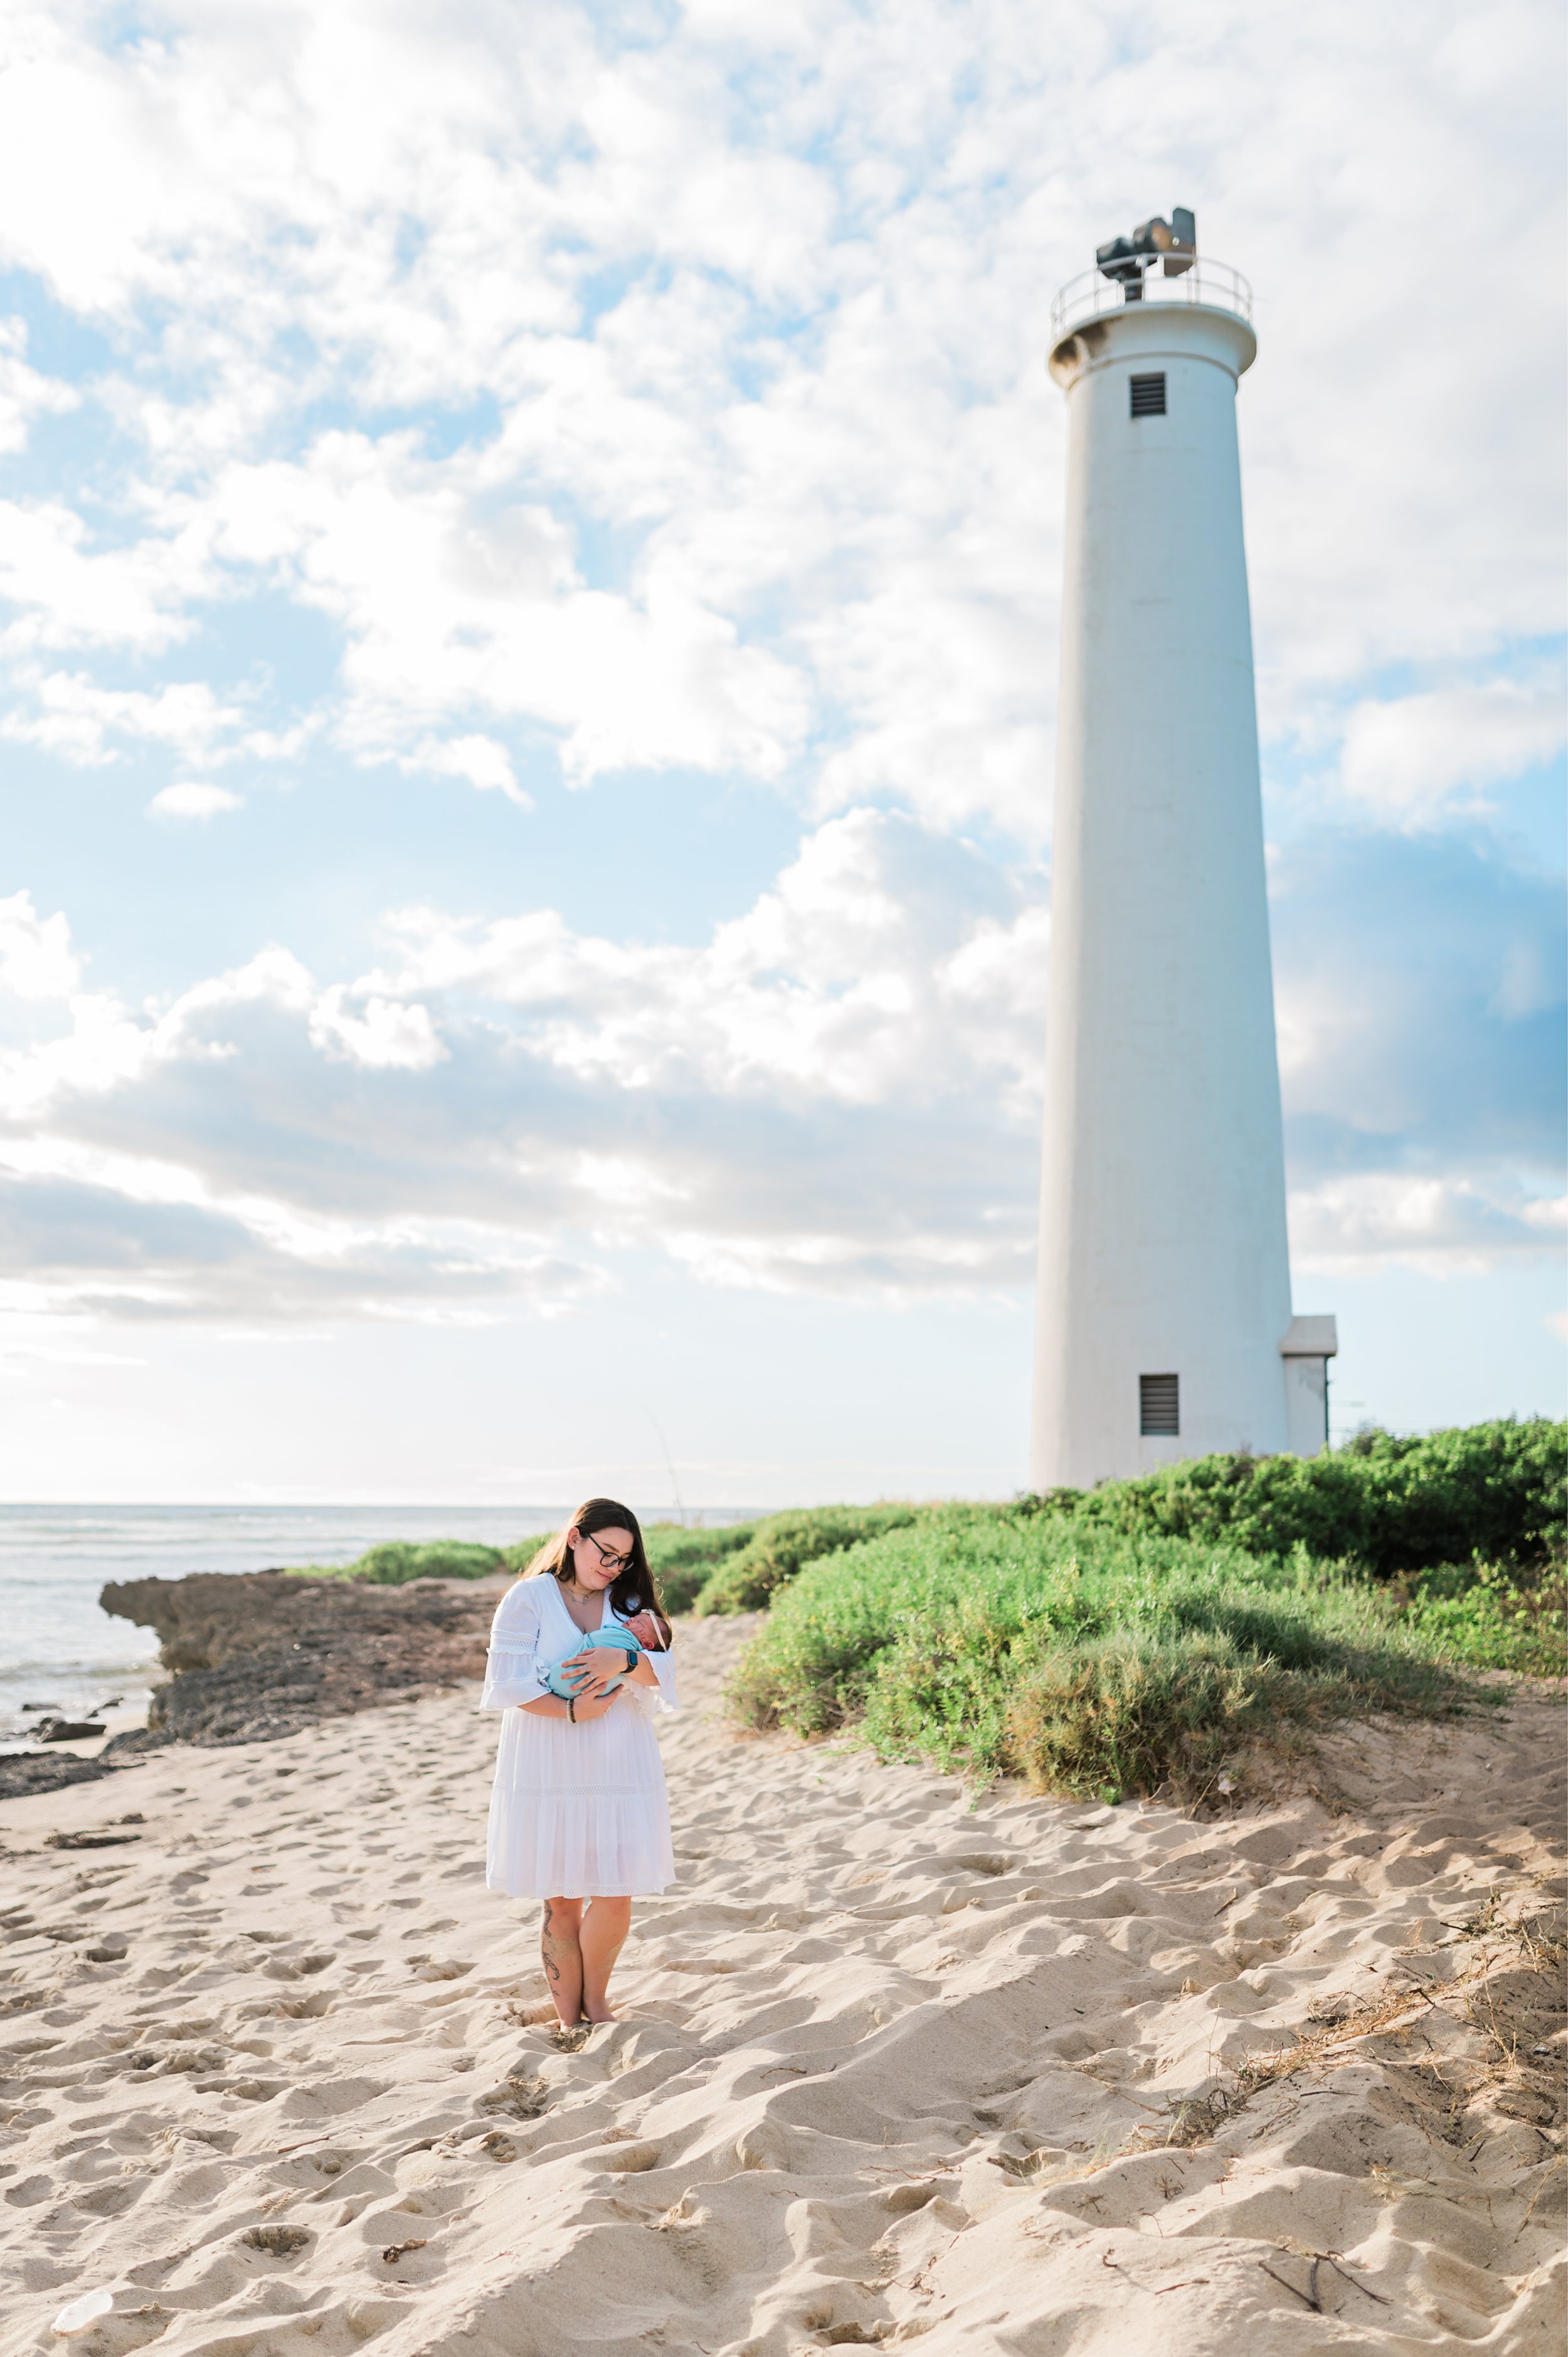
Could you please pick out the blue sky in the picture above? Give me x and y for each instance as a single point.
(529, 570)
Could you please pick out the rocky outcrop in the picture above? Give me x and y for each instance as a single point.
(259, 1654)
(24, 1773)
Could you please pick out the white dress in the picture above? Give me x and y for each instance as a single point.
(575, 1811)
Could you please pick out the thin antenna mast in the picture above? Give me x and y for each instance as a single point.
(669, 1465)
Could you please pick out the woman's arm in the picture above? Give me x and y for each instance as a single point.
(588, 1707)
(511, 1670)
(594, 1666)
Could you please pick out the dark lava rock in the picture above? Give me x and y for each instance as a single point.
(132, 1743)
(256, 1655)
(68, 1730)
(88, 1841)
(26, 1774)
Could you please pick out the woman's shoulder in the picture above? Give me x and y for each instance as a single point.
(519, 1609)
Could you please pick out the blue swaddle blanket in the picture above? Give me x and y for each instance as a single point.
(614, 1639)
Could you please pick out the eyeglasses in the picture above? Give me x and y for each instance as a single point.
(611, 1562)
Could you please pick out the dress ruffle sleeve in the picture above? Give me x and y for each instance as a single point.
(513, 1671)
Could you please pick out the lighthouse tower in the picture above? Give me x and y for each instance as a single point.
(1165, 1302)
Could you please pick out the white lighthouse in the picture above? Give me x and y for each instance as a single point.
(1165, 1302)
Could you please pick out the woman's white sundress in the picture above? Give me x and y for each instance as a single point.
(575, 1811)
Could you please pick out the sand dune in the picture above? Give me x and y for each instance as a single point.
(895, 2066)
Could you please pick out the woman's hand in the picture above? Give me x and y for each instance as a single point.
(649, 1631)
(590, 1671)
(585, 1708)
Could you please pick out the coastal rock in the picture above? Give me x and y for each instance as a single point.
(25, 1775)
(259, 1655)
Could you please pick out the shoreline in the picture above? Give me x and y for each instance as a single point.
(897, 2061)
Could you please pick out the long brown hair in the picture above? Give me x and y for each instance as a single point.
(635, 1589)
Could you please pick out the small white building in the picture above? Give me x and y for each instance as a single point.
(1166, 1328)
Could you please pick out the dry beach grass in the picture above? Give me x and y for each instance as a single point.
(897, 2062)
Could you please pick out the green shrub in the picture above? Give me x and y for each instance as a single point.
(778, 1548)
(683, 1560)
(1490, 1617)
(1394, 1504)
(517, 1554)
(1130, 1714)
(1087, 1659)
(733, 1567)
(397, 1561)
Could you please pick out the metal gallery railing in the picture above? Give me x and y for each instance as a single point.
(1091, 294)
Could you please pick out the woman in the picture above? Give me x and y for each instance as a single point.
(578, 1813)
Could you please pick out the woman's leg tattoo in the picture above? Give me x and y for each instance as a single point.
(562, 1958)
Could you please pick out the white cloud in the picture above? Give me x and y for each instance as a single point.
(1415, 761)
(835, 1092)
(77, 719)
(819, 1095)
(880, 967)
(675, 400)
(36, 957)
(761, 470)
(192, 800)
(479, 760)
(72, 594)
(1446, 1227)
(24, 394)
(386, 1035)
(104, 1048)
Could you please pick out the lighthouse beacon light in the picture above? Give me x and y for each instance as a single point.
(1165, 1322)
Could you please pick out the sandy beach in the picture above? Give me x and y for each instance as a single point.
(897, 2064)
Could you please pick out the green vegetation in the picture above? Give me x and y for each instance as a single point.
(1392, 1505)
(1146, 1633)
(781, 1546)
(1089, 1661)
(397, 1561)
(1490, 1615)
(1139, 1635)
(737, 1566)
(683, 1561)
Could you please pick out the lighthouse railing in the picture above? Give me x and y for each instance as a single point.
(1091, 296)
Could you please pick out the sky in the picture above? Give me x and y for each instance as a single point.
(529, 568)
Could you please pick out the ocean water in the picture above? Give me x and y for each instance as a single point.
(61, 1648)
